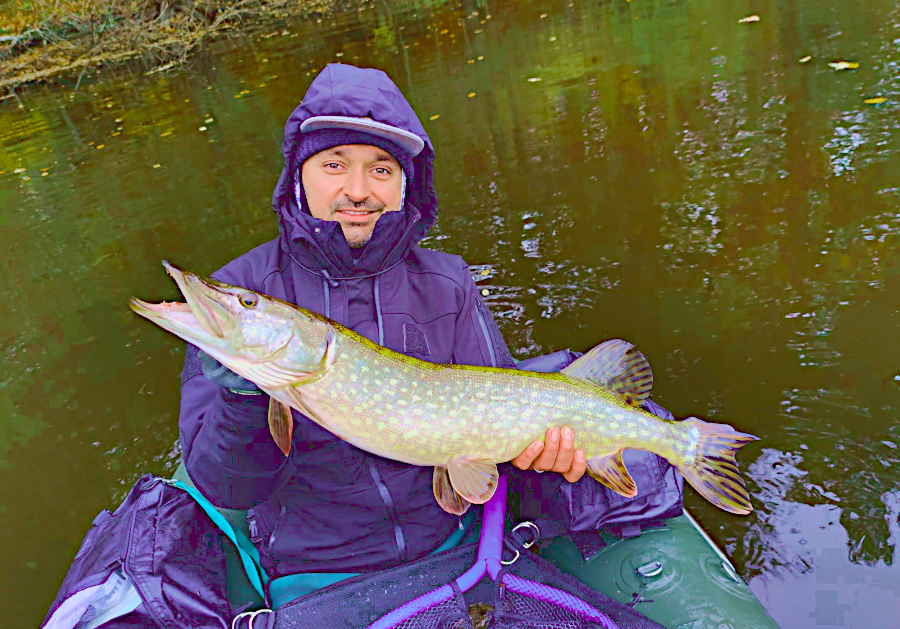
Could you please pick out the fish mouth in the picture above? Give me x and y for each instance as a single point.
(203, 320)
(206, 300)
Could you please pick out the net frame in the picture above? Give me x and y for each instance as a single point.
(489, 561)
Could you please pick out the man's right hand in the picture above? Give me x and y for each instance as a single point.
(224, 377)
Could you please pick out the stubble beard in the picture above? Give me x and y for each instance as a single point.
(362, 241)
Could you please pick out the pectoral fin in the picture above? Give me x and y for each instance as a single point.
(474, 479)
(447, 497)
(281, 425)
(615, 365)
(611, 471)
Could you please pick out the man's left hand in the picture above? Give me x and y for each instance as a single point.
(556, 454)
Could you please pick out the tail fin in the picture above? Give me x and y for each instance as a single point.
(714, 472)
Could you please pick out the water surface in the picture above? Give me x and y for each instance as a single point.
(655, 171)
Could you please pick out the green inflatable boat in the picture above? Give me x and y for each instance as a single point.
(673, 574)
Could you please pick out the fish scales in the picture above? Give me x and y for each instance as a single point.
(429, 416)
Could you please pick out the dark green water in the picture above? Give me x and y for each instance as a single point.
(675, 178)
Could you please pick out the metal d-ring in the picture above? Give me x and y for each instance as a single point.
(511, 561)
(535, 536)
(250, 616)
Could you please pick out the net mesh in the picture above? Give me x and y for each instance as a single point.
(531, 594)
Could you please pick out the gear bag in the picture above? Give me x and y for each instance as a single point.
(157, 561)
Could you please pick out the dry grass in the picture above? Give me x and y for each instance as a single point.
(42, 38)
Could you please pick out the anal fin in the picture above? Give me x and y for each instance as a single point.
(611, 471)
(473, 478)
(447, 497)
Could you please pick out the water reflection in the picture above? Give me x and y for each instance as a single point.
(674, 178)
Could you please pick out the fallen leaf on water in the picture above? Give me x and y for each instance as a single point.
(805, 59)
(471, 94)
(485, 271)
(435, 117)
(875, 101)
(749, 18)
(534, 79)
(843, 65)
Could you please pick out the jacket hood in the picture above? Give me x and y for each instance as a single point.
(345, 90)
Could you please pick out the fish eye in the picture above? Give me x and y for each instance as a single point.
(248, 299)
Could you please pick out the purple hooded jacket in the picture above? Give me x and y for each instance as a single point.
(329, 506)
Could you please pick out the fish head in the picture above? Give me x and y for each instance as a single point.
(236, 326)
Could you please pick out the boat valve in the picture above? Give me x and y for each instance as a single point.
(650, 570)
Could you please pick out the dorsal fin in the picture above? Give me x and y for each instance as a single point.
(615, 365)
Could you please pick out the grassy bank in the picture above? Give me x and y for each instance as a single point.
(44, 38)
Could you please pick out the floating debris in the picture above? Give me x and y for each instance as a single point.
(485, 271)
(749, 18)
(435, 117)
(534, 79)
(480, 614)
(875, 101)
(202, 128)
(843, 65)
(805, 59)
(471, 94)
(485, 292)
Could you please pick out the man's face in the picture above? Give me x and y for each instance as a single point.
(353, 184)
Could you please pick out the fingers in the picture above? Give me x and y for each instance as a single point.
(566, 451)
(547, 458)
(579, 467)
(557, 454)
(524, 460)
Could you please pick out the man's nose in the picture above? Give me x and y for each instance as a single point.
(357, 186)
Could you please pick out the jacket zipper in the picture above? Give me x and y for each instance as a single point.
(391, 511)
(484, 330)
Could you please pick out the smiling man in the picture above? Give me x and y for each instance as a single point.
(353, 184)
(355, 197)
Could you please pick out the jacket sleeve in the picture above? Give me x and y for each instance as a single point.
(228, 452)
(478, 339)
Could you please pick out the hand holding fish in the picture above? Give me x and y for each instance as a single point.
(550, 455)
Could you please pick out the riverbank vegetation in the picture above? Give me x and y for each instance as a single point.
(43, 38)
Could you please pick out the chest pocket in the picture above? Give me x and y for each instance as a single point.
(432, 341)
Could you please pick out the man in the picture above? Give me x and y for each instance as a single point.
(355, 196)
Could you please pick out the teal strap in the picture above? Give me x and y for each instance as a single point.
(245, 548)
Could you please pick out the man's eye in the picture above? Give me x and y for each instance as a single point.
(382, 171)
(332, 165)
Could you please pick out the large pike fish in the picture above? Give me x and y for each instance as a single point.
(462, 420)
